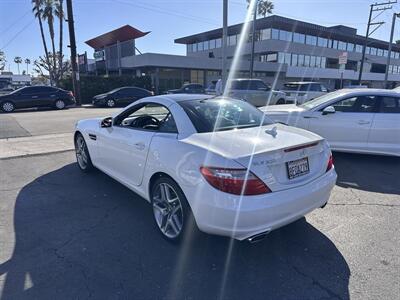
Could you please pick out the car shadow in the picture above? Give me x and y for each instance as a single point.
(85, 235)
(372, 173)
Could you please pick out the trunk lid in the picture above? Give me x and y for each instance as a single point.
(267, 154)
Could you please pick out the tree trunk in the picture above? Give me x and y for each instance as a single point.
(44, 45)
(51, 29)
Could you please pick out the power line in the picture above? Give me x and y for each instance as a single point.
(15, 22)
(16, 35)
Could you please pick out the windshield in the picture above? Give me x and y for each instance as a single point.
(320, 100)
(220, 114)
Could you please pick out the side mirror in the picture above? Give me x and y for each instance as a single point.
(328, 110)
(107, 122)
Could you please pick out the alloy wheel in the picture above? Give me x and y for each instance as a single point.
(60, 104)
(8, 106)
(80, 150)
(167, 209)
(110, 103)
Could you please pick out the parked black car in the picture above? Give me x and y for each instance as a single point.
(189, 88)
(121, 96)
(36, 96)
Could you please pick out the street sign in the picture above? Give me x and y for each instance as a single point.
(343, 58)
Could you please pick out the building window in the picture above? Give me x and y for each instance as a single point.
(200, 46)
(396, 55)
(385, 53)
(266, 34)
(311, 40)
(342, 45)
(231, 40)
(189, 48)
(194, 47)
(322, 42)
(285, 35)
(281, 57)
(275, 34)
(359, 48)
(379, 52)
(288, 58)
(334, 44)
(299, 38)
(318, 62)
(350, 47)
(206, 46)
(212, 44)
(306, 60)
(301, 60)
(373, 51)
(294, 60)
(313, 62)
(367, 50)
(323, 62)
(218, 43)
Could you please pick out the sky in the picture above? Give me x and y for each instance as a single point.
(168, 20)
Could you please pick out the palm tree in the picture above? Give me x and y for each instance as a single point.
(2, 60)
(38, 11)
(60, 15)
(264, 8)
(18, 60)
(48, 15)
(28, 62)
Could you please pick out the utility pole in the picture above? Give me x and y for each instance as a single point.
(373, 8)
(253, 39)
(224, 41)
(74, 65)
(390, 48)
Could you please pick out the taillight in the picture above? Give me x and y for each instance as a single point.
(234, 181)
(330, 163)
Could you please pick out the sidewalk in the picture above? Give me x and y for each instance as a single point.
(36, 145)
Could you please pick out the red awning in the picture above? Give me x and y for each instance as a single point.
(121, 34)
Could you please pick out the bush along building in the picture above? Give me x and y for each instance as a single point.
(285, 50)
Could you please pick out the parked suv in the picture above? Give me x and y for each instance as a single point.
(256, 92)
(36, 96)
(189, 88)
(300, 92)
(121, 96)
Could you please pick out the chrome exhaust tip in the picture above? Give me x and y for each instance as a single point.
(258, 237)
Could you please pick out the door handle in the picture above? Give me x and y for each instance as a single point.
(139, 146)
(310, 117)
(363, 122)
(34, 97)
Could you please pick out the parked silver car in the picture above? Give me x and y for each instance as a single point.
(302, 91)
(256, 92)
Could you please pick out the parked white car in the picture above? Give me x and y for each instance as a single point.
(256, 92)
(302, 91)
(354, 120)
(218, 160)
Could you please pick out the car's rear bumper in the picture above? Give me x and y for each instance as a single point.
(242, 217)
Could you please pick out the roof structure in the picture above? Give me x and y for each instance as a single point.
(122, 34)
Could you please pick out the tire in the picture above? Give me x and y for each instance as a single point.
(59, 104)
(7, 106)
(281, 101)
(110, 103)
(83, 159)
(177, 227)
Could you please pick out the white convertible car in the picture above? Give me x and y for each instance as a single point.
(353, 120)
(216, 159)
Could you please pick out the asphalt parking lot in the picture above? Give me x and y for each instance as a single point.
(65, 234)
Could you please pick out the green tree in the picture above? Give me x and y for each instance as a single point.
(398, 42)
(48, 14)
(264, 7)
(18, 60)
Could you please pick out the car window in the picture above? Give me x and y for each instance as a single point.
(150, 116)
(315, 87)
(305, 87)
(390, 105)
(223, 114)
(31, 90)
(359, 104)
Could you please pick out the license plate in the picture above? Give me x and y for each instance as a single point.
(296, 168)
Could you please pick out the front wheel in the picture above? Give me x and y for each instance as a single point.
(171, 210)
(110, 103)
(82, 154)
(59, 104)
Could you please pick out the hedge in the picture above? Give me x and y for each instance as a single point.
(94, 85)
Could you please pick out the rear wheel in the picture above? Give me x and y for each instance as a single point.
(281, 101)
(7, 106)
(82, 154)
(171, 210)
(110, 103)
(59, 104)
